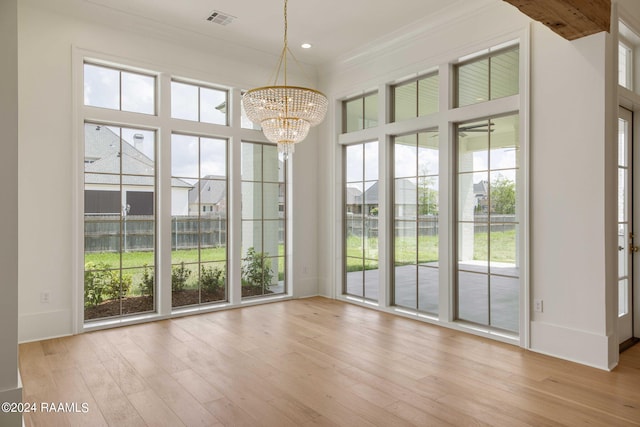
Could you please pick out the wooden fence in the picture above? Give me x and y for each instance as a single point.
(111, 233)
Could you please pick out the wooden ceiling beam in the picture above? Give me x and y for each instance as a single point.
(571, 19)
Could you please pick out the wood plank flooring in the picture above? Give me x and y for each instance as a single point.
(316, 362)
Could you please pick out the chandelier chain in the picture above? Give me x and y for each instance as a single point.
(286, 41)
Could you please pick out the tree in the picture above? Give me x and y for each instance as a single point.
(502, 194)
(427, 196)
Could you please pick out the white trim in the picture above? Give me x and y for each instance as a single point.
(525, 162)
(552, 340)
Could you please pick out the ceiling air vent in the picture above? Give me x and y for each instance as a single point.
(221, 18)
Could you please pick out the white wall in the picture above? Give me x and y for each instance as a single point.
(10, 387)
(48, 157)
(571, 185)
(572, 160)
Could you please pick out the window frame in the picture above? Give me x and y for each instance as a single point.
(199, 86)
(416, 80)
(364, 258)
(285, 220)
(480, 56)
(200, 211)
(122, 235)
(164, 125)
(361, 98)
(444, 121)
(120, 70)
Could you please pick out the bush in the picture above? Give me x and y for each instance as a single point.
(102, 283)
(148, 281)
(255, 269)
(179, 276)
(211, 279)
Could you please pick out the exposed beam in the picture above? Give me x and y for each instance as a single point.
(571, 19)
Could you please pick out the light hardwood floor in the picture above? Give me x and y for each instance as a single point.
(316, 362)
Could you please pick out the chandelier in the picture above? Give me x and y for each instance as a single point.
(285, 113)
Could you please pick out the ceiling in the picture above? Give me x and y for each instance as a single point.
(333, 27)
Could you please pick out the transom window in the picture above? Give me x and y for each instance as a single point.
(360, 113)
(415, 98)
(625, 66)
(492, 76)
(116, 89)
(198, 103)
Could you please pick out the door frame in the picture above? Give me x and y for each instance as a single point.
(627, 331)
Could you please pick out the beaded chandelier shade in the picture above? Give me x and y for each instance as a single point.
(285, 113)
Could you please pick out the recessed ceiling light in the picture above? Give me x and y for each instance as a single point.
(305, 45)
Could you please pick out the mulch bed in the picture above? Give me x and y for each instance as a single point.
(142, 304)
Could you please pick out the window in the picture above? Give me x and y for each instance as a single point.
(488, 268)
(198, 234)
(625, 66)
(415, 98)
(416, 198)
(361, 220)
(133, 210)
(118, 89)
(198, 103)
(119, 221)
(360, 113)
(490, 77)
(263, 220)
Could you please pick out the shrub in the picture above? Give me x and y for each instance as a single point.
(102, 283)
(179, 276)
(148, 281)
(93, 284)
(255, 269)
(118, 286)
(211, 279)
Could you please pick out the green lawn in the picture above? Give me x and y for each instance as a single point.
(364, 253)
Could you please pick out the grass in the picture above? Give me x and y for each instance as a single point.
(363, 253)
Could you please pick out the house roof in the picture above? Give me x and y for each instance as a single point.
(352, 195)
(404, 193)
(103, 160)
(210, 190)
(480, 188)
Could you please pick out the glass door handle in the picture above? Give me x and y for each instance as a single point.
(620, 248)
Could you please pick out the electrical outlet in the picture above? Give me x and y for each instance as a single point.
(537, 305)
(45, 297)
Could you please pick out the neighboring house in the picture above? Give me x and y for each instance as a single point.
(103, 165)
(405, 198)
(208, 196)
(352, 197)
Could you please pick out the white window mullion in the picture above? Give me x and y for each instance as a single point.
(234, 240)
(163, 164)
(447, 206)
(385, 215)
